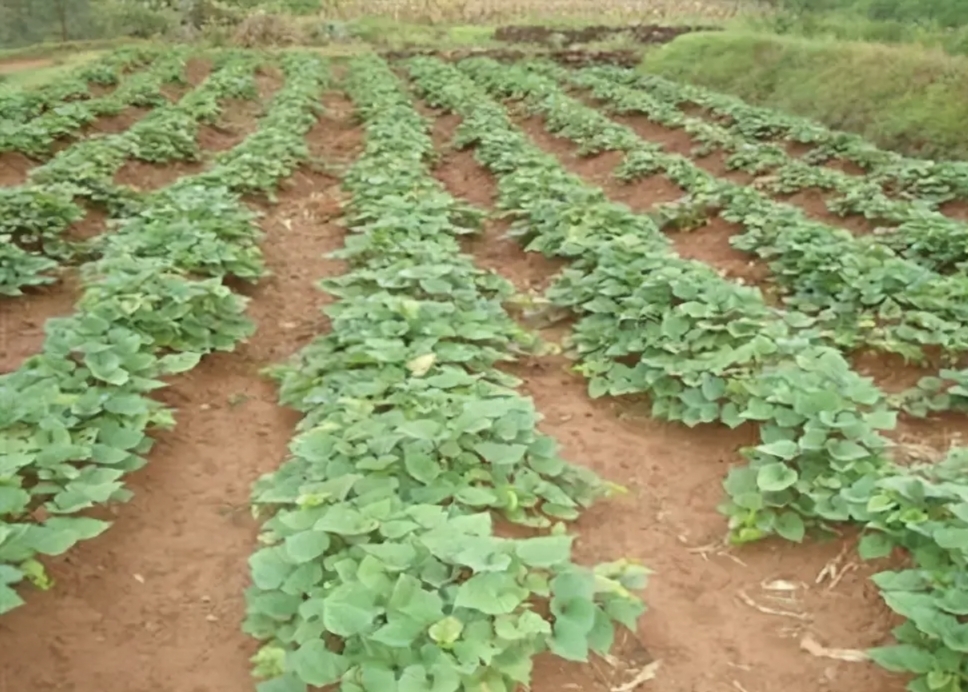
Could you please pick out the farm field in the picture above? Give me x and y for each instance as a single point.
(406, 373)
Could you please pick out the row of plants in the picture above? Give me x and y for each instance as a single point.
(653, 323)
(705, 349)
(35, 216)
(912, 227)
(153, 304)
(937, 181)
(382, 567)
(861, 294)
(20, 106)
(143, 89)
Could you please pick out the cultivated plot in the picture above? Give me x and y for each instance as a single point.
(580, 325)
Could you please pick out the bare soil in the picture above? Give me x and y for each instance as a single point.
(22, 319)
(14, 168)
(115, 124)
(710, 627)
(156, 602)
(11, 66)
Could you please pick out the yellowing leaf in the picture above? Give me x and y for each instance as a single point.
(420, 365)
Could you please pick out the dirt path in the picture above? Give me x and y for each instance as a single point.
(155, 604)
(707, 624)
(10, 66)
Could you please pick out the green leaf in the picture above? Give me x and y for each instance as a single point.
(903, 658)
(269, 570)
(127, 404)
(316, 665)
(846, 450)
(574, 583)
(420, 429)
(414, 679)
(378, 679)
(13, 501)
(400, 633)
(476, 497)
(421, 466)
(345, 521)
(758, 409)
(9, 599)
(775, 477)
(497, 453)
(175, 363)
(951, 538)
(306, 546)
(287, 683)
(569, 641)
(882, 420)
(602, 635)
(545, 551)
(790, 526)
(580, 612)
(492, 593)
(784, 449)
(411, 599)
(349, 611)
(874, 545)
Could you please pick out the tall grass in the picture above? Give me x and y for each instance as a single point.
(901, 97)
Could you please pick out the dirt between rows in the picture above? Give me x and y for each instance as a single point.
(637, 33)
(8, 67)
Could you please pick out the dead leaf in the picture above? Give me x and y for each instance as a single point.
(644, 675)
(814, 648)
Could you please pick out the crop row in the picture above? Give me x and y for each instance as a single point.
(860, 290)
(153, 304)
(35, 216)
(143, 89)
(382, 569)
(20, 106)
(859, 294)
(911, 227)
(820, 459)
(937, 181)
(704, 349)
